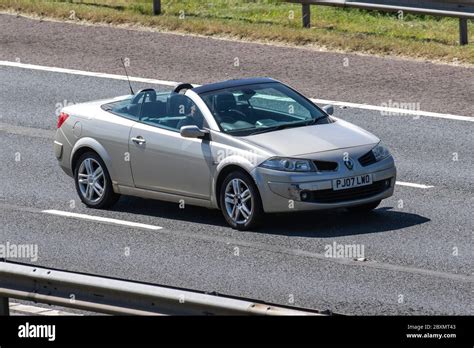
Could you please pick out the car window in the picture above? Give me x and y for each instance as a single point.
(271, 99)
(128, 108)
(250, 109)
(170, 111)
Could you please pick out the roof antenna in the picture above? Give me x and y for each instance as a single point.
(126, 73)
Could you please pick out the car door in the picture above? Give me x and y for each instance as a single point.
(161, 159)
(111, 129)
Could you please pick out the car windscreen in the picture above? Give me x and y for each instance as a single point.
(258, 108)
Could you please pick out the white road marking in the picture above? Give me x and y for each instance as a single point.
(101, 219)
(394, 111)
(389, 110)
(86, 73)
(410, 184)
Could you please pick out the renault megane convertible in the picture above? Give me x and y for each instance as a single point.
(246, 147)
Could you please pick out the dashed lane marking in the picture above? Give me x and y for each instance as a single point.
(101, 219)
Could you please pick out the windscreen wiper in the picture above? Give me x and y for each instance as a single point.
(279, 127)
(289, 125)
(315, 120)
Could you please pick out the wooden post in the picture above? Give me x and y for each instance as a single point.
(156, 7)
(463, 37)
(306, 16)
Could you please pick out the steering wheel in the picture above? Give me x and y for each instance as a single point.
(226, 119)
(238, 112)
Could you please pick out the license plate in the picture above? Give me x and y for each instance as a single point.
(355, 181)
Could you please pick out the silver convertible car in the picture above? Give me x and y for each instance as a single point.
(246, 147)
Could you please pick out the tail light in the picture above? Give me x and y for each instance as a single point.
(62, 118)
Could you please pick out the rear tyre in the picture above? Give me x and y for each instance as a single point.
(240, 201)
(364, 208)
(93, 183)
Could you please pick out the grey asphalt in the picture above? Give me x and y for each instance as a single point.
(325, 75)
(409, 248)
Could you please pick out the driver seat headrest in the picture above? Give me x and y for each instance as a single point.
(224, 102)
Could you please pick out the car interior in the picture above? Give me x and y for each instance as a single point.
(234, 113)
(168, 110)
(243, 109)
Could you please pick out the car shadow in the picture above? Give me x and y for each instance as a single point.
(318, 224)
(167, 210)
(335, 223)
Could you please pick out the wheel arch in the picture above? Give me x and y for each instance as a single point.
(226, 170)
(90, 145)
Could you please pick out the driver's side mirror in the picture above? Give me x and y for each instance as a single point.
(192, 132)
(328, 109)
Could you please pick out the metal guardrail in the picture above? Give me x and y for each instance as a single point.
(462, 9)
(115, 296)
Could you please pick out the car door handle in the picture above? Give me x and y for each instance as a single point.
(139, 140)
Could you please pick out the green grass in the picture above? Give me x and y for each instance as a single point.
(348, 30)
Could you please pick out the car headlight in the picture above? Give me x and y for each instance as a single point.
(288, 164)
(380, 152)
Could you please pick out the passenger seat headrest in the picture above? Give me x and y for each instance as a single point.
(179, 104)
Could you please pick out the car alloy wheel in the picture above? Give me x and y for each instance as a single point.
(238, 201)
(93, 183)
(91, 180)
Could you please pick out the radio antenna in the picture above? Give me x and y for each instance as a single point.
(126, 73)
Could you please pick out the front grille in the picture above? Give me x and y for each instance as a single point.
(324, 166)
(367, 159)
(331, 196)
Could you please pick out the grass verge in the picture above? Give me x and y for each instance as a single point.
(348, 30)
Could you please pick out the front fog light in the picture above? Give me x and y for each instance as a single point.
(305, 196)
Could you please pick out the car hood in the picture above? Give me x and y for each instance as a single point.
(310, 139)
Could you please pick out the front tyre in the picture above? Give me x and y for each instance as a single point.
(240, 201)
(93, 183)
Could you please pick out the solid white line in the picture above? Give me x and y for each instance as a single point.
(388, 110)
(410, 184)
(86, 73)
(101, 219)
(395, 111)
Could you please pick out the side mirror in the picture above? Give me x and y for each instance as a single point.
(328, 109)
(192, 132)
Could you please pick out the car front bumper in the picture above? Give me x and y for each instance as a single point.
(282, 191)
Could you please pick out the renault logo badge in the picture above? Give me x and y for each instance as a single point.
(349, 163)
